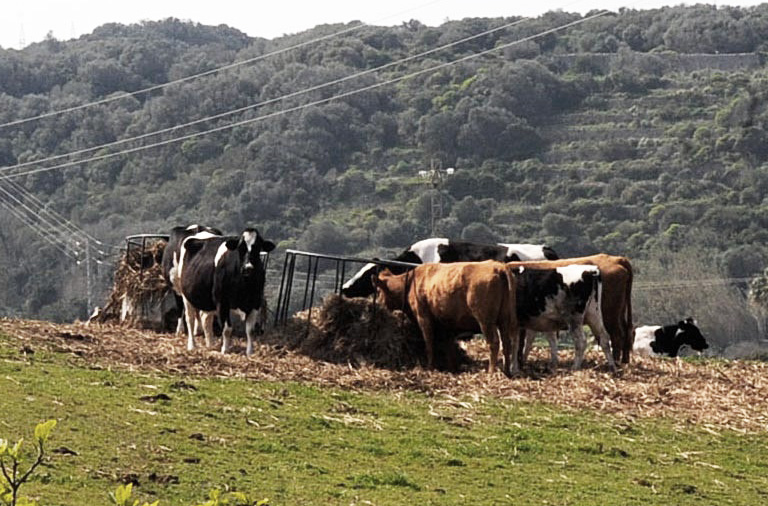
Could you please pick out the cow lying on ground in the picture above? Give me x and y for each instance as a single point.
(441, 250)
(457, 297)
(567, 297)
(222, 273)
(171, 259)
(616, 305)
(658, 341)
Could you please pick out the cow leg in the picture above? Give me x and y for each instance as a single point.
(190, 313)
(516, 341)
(506, 345)
(527, 337)
(226, 334)
(226, 325)
(491, 333)
(629, 342)
(579, 344)
(552, 338)
(425, 325)
(520, 351)
(180, 309)
(252, 328)
(206, 322)
(180, 325)
(595, 323)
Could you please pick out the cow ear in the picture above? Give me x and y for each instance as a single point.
(267, 246)
(682, 323)
(232, 244)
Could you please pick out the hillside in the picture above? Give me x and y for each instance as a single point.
(630, 133)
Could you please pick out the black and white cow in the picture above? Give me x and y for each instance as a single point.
(170, 260)
(564, 298)
(442, 250)
(658, 341)
(222, 274)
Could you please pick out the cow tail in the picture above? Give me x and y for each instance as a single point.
(511, 301)
(630, 338)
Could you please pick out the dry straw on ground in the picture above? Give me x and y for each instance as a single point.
(716, 395)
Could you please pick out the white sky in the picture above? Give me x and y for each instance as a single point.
(30, 20)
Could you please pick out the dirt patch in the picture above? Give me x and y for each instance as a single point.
(713, 394)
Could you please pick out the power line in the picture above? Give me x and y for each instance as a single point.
(43, 210)
(310, 104)
(266, 102)
(40, 210)
(37, 228)
(206, 73)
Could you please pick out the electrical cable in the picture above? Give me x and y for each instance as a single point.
(208, 72)
(306, 105)
(264, 102)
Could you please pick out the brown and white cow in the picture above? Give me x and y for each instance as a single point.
(616, 305)
(457, 297)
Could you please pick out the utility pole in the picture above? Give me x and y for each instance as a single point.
(88, 282)
(435, 177)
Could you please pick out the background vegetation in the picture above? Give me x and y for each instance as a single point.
(639, 133)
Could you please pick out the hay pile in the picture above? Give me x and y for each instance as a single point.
(139, 287)
(359, 332)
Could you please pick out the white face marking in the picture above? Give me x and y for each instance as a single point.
(362, 272)
(572, 273)
(525, 252)
(427, 249)
(249, 237)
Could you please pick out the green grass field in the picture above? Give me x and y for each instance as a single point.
(296, 444)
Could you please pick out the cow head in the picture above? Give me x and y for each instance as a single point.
(688, 333)
(360, 284)
(390, 289)
(249, 246)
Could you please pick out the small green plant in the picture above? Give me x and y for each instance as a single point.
(217, 498)
(11, 462)
(122, 497)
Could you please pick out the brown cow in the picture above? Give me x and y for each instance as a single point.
(616, 273)
(459, 297)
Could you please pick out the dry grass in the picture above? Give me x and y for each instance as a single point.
(337, 350)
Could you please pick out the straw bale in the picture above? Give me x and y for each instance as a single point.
(358, 331)
(139, 289)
